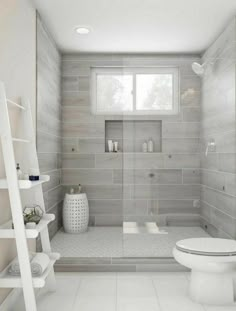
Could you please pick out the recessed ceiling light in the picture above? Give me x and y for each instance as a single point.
(82, 30)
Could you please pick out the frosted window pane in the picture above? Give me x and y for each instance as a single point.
(114, 93)
(154, 92)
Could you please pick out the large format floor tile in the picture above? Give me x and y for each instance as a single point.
(119, 292)
(97, 288)
(95, 304)
(138, 304)
(135, 288)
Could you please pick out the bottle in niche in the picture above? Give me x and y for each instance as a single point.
(18, 171)
(145, 147)
(79, 188)
(150, 145)
(115, 144)
(110, 145)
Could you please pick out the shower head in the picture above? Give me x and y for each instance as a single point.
(198, 68)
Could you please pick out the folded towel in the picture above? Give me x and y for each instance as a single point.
(38, 262)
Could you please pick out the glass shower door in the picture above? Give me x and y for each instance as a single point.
(142, 224)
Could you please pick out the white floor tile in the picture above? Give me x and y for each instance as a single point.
(171, 287)
(137, 304)
(97, 304)
(220, 308)
(136, 275)
(97, 288)
(134, 288)
(99, 275)
(120, 292)
(65, 286)
(55, 302)
(179, 304)
(168, 276)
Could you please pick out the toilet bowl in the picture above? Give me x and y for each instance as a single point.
(213, 264)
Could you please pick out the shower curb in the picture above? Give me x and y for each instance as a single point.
(117, 264)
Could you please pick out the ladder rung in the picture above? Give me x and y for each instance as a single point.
(15, 104)
(20, 140)
(9, 281)
(7, 232)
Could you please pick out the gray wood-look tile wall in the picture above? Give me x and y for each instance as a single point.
(218, 174)
(49, 140)
(131, 194)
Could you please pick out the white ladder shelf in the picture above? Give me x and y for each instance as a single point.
(14, 186)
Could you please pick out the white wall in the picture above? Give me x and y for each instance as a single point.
(18, 72)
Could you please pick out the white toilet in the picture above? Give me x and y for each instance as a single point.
(213, 265)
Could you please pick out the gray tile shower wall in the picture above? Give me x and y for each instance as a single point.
(169, 196)
(49, 121)
(218, 174)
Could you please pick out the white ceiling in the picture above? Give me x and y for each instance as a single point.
(137, 26)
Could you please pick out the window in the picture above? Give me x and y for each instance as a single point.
(135, 90)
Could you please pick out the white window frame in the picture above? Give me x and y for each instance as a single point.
(174, 71)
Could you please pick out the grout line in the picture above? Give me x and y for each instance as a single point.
(214, 207)
(116, 297)
(125, 169)
(157, 297)
(216, 171)
(77, 91)
(216, 190)
(49, 134)
(76, 295)
(126, 184)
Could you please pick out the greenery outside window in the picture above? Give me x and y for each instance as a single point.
(135, 91)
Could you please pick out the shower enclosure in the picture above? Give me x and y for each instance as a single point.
(141, 201)
(146, 196)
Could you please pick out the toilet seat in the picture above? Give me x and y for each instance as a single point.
(208, 246)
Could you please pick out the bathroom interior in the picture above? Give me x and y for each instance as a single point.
(140, 203)
(145, 129)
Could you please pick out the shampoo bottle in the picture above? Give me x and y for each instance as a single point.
(150, 145)
(145, 147)
(110, 145)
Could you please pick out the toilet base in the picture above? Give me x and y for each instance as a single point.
(211, 288)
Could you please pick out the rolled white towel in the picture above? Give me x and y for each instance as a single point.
(14, 268)
(38, 262)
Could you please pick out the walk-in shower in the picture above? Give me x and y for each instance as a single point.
(161, 185)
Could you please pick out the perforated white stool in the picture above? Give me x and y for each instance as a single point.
(75, 213)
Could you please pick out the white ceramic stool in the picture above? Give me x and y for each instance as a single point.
(75, 213)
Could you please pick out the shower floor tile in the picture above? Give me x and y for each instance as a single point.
(111, 242)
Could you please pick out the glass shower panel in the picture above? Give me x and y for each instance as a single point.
(141, 225)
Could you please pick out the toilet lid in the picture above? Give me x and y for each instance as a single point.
(208, 246)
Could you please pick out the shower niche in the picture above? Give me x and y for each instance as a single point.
(131, 135)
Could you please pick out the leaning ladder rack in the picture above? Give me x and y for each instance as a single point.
(15, 187)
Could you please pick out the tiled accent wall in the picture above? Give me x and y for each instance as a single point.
(170, 195)
(49, 121)
(218, 178)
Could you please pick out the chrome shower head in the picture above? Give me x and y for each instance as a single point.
(198, 68)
